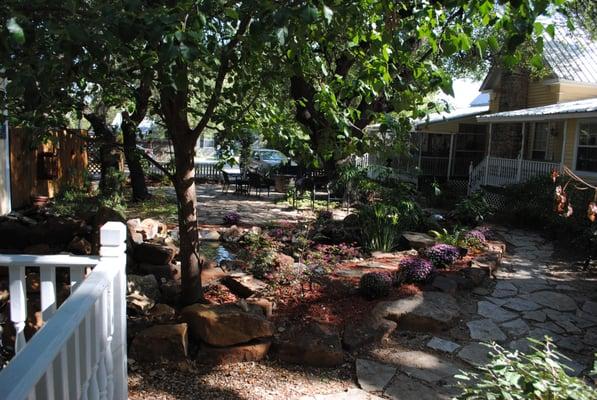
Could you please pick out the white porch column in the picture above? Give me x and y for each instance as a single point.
(450, 156)
(521, 154)
(113, 251)
(564, 140)
(488, 154)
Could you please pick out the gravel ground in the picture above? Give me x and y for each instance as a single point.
(244, 381)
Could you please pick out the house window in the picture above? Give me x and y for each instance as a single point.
(540, 141)
(586, 154)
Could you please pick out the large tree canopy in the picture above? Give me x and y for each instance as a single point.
(313, 74)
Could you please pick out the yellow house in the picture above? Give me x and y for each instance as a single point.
(525, 127)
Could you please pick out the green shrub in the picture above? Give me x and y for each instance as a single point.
(531, 205)
(517, 376)
(473, 209)
(374, 285)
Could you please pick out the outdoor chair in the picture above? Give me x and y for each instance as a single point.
(259, 182)
(225, 182)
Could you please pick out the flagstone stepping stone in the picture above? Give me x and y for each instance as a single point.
(523, 345)
(572, 343)
(485, 330)
(540, 333)
(428, 311)
(554, 300)
(538, 316)
(550, 326)
(520, 304)
(575, 368)
(498, 301)
(590, 307)
(475, 354)
(373, 376)
(504, 289)
(566, 288)
(568, 326)
(530, 285)
(516, 327)
(442, 345)
(494, 312)
(350, 394)
(590, 338)
(424, 366)
(405, 388)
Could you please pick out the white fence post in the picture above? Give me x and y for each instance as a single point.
(113, 251)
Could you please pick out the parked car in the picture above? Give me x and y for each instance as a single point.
(271, 157)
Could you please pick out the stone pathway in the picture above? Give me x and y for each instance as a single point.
(527, 300)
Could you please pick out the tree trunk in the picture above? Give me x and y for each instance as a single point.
(184, 182)
(133, 161)
(111, 176)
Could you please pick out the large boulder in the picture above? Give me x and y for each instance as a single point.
(166, 271)
(427, 311)
(161, 343)
(142, 292)
(315, 344)
(371, 329)
(232, 234)
(252, 351)
(227, 324)
(243, 285)
(417, 240)
(153, 253)
(79, 246)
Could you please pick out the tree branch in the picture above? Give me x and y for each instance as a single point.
(222, 72)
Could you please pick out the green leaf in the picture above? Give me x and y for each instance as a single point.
(551, 30)
(231, 13)
(15, 30)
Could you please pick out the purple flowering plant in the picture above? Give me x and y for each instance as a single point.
(442, 255)
(416, 269)
(231, 218)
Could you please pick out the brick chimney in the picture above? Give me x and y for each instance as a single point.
(512, 95)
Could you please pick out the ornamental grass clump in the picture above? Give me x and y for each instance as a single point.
(416, 269)
(374, 285)
(442, 255)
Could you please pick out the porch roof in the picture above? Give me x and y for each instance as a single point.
(451, 116)
(571, 109)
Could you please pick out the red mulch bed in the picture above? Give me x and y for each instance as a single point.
(335, 298)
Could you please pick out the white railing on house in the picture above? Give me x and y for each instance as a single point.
(497, 171)
(80, 352)
(377, 171)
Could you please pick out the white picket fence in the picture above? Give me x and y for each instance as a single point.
(80, 352)
(497, 171)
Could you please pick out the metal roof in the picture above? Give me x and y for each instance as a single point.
(452, 115)
(579, 108)
(571, 55)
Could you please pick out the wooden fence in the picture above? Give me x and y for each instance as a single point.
(43, 169)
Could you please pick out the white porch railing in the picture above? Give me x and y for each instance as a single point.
(80, 352)
(496, 171)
